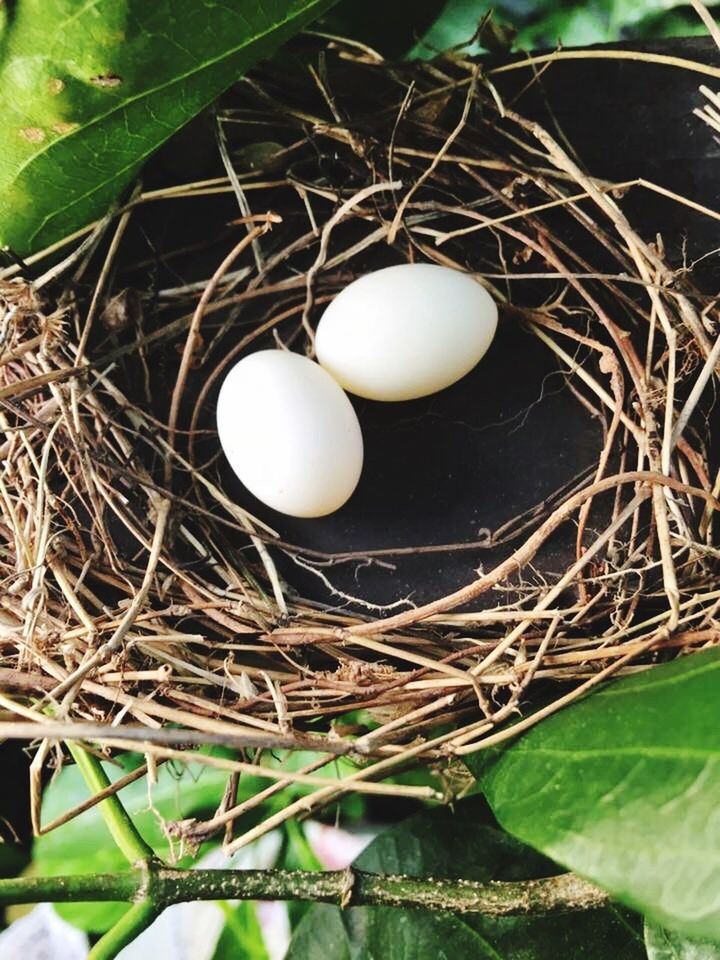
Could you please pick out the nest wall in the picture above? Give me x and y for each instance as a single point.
(148, 599)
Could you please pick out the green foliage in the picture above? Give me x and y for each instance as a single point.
(461, 844)
(673, 23)
(545, 23)
(456, 26)
(664, 944)
(241, 938)
(623, 789)
(89, 90)
(83, 843)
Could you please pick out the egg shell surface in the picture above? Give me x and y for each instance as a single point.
(290, 433)
(405, 331)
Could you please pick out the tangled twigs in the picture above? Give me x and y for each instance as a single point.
(525, 553)
(113, 644)
(143, 603)
(190, 347)
(189, 350)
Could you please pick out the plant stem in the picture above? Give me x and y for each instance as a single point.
(123, 830)
(161, 886)
(129, 926)
(83, 888)
(130, 886)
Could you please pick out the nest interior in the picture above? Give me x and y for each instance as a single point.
(540, 525)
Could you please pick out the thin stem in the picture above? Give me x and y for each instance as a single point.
(128, 927)
(123, 830)
(657, 58)
(194, 329)
(131, 734)
(163, 886)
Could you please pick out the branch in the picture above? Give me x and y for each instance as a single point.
(162, 886)
(128, 927)
(133, 733)
(121, 827)
(139, 854)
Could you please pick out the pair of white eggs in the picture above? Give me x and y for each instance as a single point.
(285, 424)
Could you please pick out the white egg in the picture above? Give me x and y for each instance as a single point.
(405, 332)
(290, 433)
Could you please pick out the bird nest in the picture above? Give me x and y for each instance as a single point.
(148, 601)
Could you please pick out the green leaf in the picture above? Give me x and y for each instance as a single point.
(542, 23)
(628, 13)
(574, 27)
(88, 90)
(683, 22)
(83, 844)
(664, 944)
(456, 26)
(623, 788)
(458, 845)
(242, 937)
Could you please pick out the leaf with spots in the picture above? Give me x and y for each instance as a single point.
(624, 789)
(464, 844)
(90, 88)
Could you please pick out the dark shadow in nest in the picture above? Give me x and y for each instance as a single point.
(444, 478)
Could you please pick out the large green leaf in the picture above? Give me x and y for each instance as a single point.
(454, 845)
(664, 944)
(88, 90)
(624, 789)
